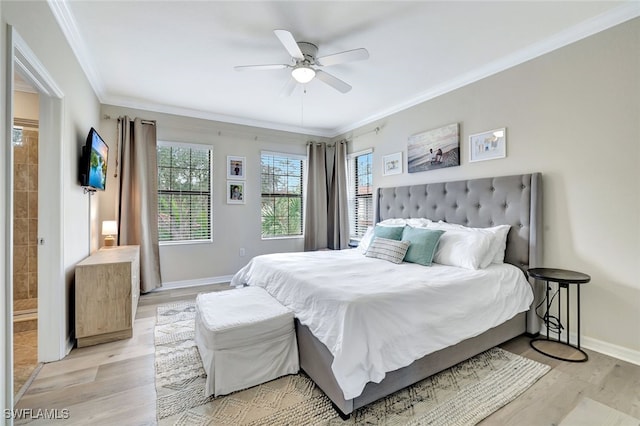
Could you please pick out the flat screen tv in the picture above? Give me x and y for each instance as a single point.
(93, 165)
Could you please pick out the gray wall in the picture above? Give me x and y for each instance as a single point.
(234, 226)
(574, 115)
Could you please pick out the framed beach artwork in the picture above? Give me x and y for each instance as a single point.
(392, 164)
(434, 149)
(235, 192)
(235, 167)
(488, 145)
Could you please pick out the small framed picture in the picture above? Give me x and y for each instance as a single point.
(488, 145)
(392, 164)
(235, 192)
(235, 167)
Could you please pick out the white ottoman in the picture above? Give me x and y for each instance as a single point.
(245, 337)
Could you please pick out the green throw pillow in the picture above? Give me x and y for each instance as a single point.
(423, 244)
(389, 232)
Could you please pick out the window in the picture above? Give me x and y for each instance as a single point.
(360, 193)
(184, 192)
(282, 194)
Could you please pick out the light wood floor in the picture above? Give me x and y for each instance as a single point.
(113, 383)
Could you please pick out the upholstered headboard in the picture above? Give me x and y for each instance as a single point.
(512, 200)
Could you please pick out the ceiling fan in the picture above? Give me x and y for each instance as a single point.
(305, 64)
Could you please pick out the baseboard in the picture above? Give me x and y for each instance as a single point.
(194, 283)
(620, 352)
(606, 348)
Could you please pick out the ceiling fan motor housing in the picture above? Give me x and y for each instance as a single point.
(309, 50)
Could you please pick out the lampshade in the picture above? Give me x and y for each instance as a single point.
(109, 227)
(303, 74)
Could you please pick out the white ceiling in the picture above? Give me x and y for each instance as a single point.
(178, 56)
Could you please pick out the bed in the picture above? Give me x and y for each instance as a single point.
(350, 357)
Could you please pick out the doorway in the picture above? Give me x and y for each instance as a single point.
(25, 143)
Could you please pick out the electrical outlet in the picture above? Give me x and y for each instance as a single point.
(242, 252)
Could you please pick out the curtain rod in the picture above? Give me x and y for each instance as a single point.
(108, 117)
(328, 144)
(376, 129)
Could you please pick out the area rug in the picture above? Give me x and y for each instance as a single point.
(462, 395)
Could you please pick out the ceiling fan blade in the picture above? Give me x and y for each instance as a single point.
(332, 81)
(342, 57)
(289, 43)
(261, 67)
(287, 90)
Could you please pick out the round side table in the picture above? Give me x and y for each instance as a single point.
(565, 280)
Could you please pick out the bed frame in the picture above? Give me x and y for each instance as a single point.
(512, 200)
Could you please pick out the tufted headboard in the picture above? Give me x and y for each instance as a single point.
(511, 200)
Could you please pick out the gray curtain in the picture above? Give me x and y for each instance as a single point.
(326, 211)
(138, 201)
(338, 212)
(315, 216)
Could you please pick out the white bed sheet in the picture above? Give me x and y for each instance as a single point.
(375, 316)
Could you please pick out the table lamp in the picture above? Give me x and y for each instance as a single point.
(109, 229)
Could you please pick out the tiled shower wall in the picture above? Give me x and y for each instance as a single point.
(25, 219)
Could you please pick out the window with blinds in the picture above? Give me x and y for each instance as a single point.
(360, 193)
(282, 178)
(184, 192)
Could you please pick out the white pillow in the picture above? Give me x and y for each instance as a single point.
(463, 249)
(498, 246)
(413, 222)
(419, 222)
(393, 222)
(363, 245)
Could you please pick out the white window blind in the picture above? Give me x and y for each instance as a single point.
(282, 192)
(184, 192)
(360, 192)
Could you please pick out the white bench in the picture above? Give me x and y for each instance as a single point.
(245, 337)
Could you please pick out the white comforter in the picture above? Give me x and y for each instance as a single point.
(375, 316)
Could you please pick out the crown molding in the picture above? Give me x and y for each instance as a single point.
(206, 115)
(67, 23)
(616, 16)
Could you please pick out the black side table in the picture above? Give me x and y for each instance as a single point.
(565, 279)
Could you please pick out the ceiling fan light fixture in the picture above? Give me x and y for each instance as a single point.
(303, 74)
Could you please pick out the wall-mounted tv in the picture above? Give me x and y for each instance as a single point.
(93, 164)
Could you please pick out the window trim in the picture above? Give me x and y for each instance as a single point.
(193, 145)
(303, 159)
(351, 159)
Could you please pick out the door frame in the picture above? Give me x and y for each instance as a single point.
(51, 274)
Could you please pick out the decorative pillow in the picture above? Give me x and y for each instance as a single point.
(386, 249)
(458, 247)
(498, 246)
(388, 232)
(423, 244)
(363, 245)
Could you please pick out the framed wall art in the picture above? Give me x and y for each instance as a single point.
(488, 145)
(434, 149)
(236, 167)
(392, 164)
(235, 192)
